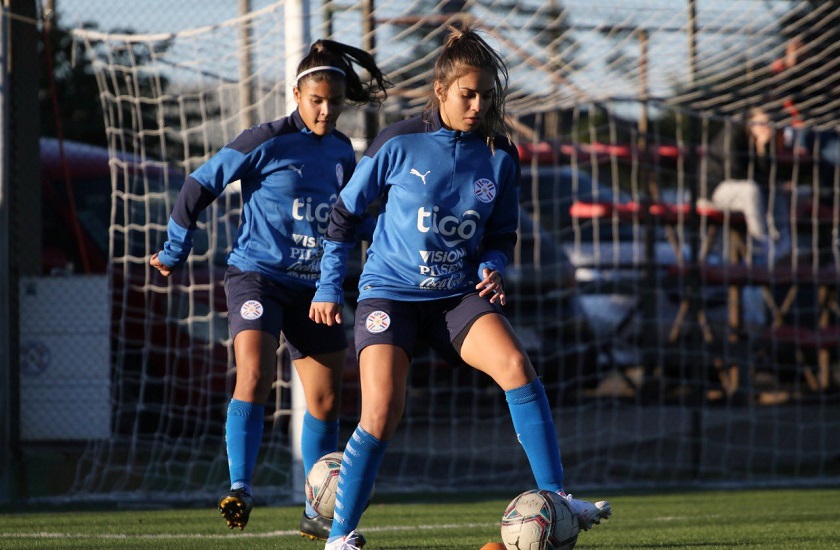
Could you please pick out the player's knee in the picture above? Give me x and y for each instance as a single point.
(381, 423)
(324, 406)
(254, 382)
(508, 372)
(516, 371)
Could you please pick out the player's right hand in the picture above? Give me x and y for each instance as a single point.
(325, 313)
(492, 287)
(164, 269)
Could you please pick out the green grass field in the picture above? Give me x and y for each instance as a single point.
(766, 519)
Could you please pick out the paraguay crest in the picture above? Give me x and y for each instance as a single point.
(485, 190)
(377, 321)
(251, 310)
(339, 173)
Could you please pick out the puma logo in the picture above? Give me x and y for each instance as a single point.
(296, 169)
(414, 172)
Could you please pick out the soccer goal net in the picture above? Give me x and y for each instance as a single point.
(677, 345)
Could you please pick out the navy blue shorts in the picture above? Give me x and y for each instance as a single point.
(256, 302)
(440, 324)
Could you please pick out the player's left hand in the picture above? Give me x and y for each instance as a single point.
(164, 269)
(325, 313)
(493, 286)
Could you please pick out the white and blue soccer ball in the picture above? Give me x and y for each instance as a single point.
(539, 520)
(322, 484)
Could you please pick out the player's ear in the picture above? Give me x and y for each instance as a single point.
(296, 94)
(440, 93)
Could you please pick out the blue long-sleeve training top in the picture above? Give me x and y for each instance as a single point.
(290, 177)
(450, 207)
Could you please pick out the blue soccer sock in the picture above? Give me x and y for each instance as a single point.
(534, 427)
(317, 438)
(359, 467)
(243, 435)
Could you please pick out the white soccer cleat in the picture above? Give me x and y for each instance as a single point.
(588, 514)
(352, 541)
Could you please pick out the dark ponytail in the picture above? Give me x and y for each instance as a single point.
(328, 53)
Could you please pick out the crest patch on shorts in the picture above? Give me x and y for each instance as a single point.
(251, 310)
(377, 321)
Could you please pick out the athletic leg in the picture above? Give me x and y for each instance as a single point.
(383, 372)
(320, 376)
(492, 347)
(255, 353)
(256, 358)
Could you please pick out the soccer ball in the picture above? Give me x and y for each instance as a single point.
(322, 483)
(539, 520)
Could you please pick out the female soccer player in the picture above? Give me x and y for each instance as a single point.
(291, 171)
(446, 229)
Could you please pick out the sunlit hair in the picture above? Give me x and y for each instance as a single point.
(328, 53)
(464, 49)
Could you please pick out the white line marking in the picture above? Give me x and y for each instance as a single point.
(164, 536)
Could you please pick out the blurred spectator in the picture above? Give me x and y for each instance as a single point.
(739, 176)
(806, 86)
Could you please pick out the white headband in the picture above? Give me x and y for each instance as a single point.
(316, 69)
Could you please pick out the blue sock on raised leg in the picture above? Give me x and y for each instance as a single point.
(531, 416)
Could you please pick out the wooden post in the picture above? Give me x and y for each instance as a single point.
(371, 126)
(692, 42)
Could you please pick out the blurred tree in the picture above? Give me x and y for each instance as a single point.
(68, 95)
